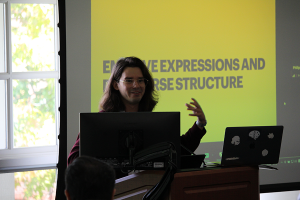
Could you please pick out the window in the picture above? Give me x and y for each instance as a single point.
(29, 89)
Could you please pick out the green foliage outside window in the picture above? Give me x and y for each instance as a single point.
(36, 184)
(32, 30)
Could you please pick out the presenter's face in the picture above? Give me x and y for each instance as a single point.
(131, 85)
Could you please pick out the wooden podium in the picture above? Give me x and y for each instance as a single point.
(208, 183)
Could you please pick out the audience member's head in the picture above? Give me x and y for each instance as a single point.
(88, 178)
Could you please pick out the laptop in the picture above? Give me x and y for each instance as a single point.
(254, 145)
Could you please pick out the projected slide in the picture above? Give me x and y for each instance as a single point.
(239, 59)
(221, 53)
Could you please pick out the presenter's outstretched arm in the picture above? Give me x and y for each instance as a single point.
(198, 112)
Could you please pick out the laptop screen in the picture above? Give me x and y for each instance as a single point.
(251, 145)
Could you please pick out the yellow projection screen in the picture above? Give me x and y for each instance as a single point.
(238, 58)
(222, 53)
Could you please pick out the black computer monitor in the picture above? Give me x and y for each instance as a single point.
(106, 136)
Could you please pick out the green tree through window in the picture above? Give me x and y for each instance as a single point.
(34, 120)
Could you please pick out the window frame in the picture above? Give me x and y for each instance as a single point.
(38, 157)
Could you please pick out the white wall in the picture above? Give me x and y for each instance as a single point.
(78, 30)
(290, 195)
(7, 186)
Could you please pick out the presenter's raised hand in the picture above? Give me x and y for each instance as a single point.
(197, 111)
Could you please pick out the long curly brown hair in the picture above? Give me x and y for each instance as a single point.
(111, 100)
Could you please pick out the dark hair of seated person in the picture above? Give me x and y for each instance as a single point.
(89, 178)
